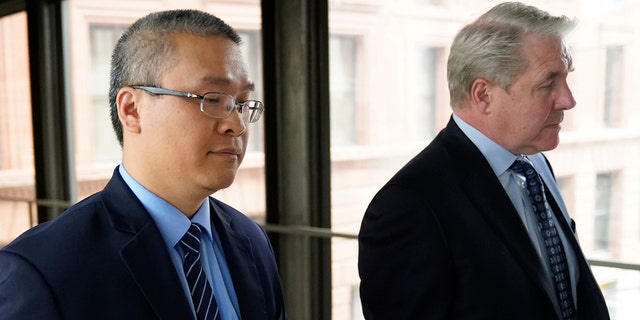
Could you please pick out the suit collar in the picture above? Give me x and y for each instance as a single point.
(125, 211)
(498, 157)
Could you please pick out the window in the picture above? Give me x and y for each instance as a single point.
(342, 54)
(604, 182)
(103, 39)
(251, 48)
(613, 84)
(421, 110)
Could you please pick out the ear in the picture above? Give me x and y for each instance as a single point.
(127, 101)
(481, 94)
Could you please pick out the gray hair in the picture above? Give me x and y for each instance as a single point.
(490, 46)
(145, 50)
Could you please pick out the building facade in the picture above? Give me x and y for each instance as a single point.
(389, 98)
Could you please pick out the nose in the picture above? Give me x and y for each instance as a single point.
(565, 99)
(233, 124)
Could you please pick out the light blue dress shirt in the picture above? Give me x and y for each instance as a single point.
(500, 159)
(173, 224)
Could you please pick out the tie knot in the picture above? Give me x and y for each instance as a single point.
(521, 166)
(190, 242)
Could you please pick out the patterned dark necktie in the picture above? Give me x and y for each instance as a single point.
(551, 238)
(201, 293)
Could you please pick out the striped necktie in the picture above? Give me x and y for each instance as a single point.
(204, 302)
(553, 244)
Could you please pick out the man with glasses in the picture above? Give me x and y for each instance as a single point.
(474, 226)
(153, 244)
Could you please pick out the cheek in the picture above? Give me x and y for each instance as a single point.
(194, 137)
(157, 128)
(184, 133)
(533, 110)
(245, 142)
(541, 114)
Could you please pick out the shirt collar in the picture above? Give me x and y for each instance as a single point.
(172, 223)
(499, 158)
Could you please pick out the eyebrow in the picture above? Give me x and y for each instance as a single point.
(555, 74)
(225, 81)
(552, 75)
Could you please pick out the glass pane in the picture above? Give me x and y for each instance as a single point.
(613, 84)
(103, 143)
(17, 211)
(602, 213)
(95, 27)
(97, 151)
(397, 85)
(342, 54)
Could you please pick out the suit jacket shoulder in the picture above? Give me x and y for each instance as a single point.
(93, 261)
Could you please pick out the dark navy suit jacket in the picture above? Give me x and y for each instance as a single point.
(442, 240)
(105, 258)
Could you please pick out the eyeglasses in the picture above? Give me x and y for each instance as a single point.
(215, 104)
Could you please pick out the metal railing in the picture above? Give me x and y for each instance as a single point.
(32, 204)
(306, 231)
(327, 233)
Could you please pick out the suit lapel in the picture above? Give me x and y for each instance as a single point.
(150, 264)
(145, 254)
(501, 216)
(493, 204)
(237, 252)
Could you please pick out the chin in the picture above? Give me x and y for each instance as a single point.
(549, 145)
(217, 181)
(222, 184)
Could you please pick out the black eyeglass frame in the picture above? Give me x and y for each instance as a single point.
(252, 113)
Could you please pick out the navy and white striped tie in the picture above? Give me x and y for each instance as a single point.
(202, 296)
